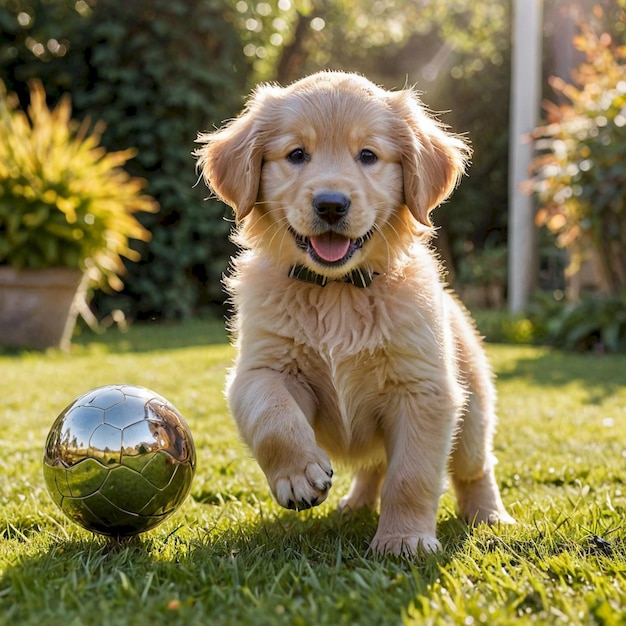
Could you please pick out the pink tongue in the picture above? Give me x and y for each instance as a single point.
(330, 247)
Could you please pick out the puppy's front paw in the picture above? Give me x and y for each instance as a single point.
(305, 487)
(405, 545)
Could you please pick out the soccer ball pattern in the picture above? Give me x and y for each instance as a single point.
(119, 460)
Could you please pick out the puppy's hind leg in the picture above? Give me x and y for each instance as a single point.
(472, 466)
(364, 490)
(472, 461)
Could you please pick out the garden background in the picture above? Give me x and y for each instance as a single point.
(157, 72)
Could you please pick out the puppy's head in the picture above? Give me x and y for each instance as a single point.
(332, 171)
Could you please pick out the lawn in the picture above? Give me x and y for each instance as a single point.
(230, 555)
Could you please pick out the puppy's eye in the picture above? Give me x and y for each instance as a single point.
(297, 156)
(367, 157)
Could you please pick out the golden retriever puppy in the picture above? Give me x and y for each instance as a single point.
(349, 345)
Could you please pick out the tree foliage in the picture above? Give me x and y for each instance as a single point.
(456, 52)
(581, 168)
(156, 72)
(361, 34)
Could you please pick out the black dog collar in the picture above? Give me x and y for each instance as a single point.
(358, 277)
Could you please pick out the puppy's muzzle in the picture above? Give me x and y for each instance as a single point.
(331, 206)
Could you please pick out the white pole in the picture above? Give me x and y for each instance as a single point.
(525, 107)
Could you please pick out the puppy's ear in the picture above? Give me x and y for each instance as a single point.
(230, 159)
(433, 160)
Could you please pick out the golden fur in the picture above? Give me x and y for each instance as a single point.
(335, 174)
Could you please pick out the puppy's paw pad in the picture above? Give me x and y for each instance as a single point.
(405, 545)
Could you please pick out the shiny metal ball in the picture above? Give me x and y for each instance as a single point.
(119, 460)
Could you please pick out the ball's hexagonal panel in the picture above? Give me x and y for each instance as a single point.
(105, 445)
(127, 412)
(158, 471)
(129, 490)
(86, 477)
(69, 438)
(166, 500)
(103, 397)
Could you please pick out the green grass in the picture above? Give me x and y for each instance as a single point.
(232, 556)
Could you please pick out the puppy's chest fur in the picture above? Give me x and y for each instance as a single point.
(349, 347)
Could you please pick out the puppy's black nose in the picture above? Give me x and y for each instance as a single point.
(331, 206)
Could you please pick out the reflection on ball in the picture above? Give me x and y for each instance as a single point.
(119, 460)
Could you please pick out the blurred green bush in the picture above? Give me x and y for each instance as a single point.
(596, 324)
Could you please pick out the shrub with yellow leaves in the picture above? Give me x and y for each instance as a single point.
(64, 200)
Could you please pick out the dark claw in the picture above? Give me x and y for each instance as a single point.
(292, 505)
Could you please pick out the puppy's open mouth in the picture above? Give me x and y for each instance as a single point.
(330, 248)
